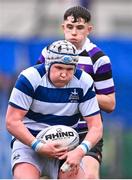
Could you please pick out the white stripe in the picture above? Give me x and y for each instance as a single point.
(87, 46)
(33, 76)
(100, 62)
(20, 99)
(58, 109)
(104, 84)
(85, 60)
(91, 105)
(87, 81)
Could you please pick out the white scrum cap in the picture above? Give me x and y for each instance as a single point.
(61, 51)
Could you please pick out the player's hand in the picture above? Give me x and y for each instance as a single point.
(73, 159)
(52, 149)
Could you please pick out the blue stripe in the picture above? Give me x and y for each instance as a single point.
(57, 95)
(78, 73)
(16, 106)
(24, 86)
(89, 95)
(41, 69)
(33, 146)
(53, 119)
(86, 147)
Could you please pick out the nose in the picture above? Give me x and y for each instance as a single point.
(74, 31)
(63, 73)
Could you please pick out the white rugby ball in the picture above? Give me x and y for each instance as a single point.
(65, 135)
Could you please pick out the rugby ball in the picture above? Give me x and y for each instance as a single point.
(65, 135)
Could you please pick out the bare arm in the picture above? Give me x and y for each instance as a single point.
(14, 124)
(106, 102)
(95, 129)
(95, 133)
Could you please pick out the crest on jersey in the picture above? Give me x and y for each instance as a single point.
(74, 96)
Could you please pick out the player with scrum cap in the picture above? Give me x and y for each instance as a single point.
(52, 94)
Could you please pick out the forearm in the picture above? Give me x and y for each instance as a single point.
(20, 132)
(16, 127)
(95, 129)
(106, 102)
(94, 135)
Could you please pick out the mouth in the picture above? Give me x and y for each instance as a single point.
(73, 40)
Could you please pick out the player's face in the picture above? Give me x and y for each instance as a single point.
(76, 32)
(61, 74)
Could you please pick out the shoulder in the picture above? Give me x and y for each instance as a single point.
(84, 78)
(32, 75)
(37, 70)
(95, 52)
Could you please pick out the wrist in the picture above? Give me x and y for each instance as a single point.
(85, 146)
(36, 145)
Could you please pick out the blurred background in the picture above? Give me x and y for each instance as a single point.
(29, 25)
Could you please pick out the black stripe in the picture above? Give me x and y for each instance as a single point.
(104, 76)
(92, 75)
(84, 53)
(96, 56)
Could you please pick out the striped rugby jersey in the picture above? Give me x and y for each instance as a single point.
(93, 60)
(48, 105)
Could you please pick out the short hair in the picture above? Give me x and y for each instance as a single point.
(78, 12)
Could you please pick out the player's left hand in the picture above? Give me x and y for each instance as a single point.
(73, 159)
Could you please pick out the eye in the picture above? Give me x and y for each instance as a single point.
(80, 27)
(71, 69)
(59, 68)
(69, 26)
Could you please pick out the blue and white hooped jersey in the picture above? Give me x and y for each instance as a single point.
(47, 105)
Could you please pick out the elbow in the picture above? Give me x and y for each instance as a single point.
(111, 107)
(9, 125)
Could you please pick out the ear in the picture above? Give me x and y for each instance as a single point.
(62, 26)
(90, 28)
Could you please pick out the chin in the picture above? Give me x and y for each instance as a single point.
(61, 85)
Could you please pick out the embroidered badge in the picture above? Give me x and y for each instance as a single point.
(74, 96)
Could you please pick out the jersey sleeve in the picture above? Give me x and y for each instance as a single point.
(103, 80)
(23, 91)
(89, 104)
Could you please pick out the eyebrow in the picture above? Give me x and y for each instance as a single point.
(69, 24)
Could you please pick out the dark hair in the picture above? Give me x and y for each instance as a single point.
(78, 12)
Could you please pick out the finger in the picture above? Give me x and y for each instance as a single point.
(60, 154)
(76, 169)
(59, 147)
(64, 156)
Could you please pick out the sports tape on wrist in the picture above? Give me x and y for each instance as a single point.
(85, 146)
(36, 145)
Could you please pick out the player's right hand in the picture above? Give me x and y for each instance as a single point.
(52, 149)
